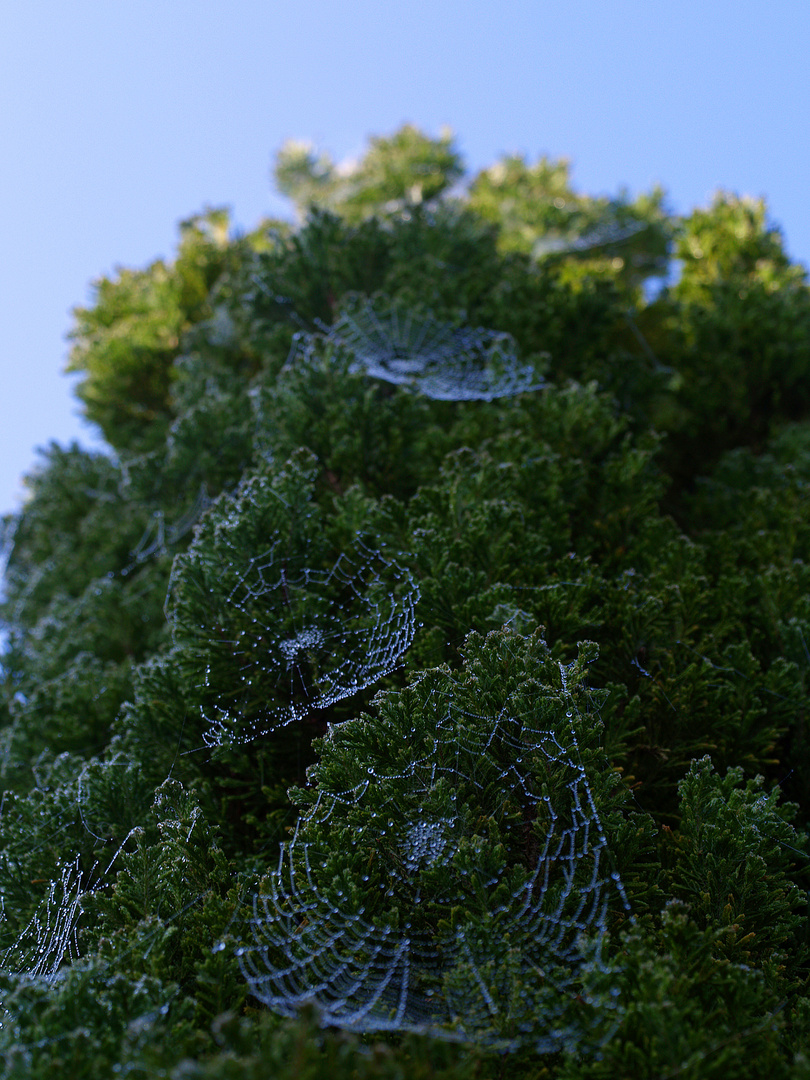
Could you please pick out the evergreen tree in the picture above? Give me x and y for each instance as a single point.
(418, 685)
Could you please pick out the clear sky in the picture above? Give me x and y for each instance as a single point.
(119, 119)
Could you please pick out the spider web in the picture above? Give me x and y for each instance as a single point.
(50, 938)
(159, 536)
(8, 529)
(490, 906)
(441, 361)
(299, 639)
(604, 235)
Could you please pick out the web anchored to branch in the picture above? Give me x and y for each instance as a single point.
(49, 939)
(603, 235)
(160, 537)
(439, 360)
(299, 639)
(475, 882)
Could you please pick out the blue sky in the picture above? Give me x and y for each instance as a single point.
(117, 120)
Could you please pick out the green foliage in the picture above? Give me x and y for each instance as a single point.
(197, 622)
(688, 1013)
(740, 320)
(126, 342)
(452, 818)
(70, 534)
(360, 432)
(404, 170)
(731, 863)
(82, 1026)
(538, 213)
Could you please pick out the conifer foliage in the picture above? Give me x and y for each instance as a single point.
(419, 685)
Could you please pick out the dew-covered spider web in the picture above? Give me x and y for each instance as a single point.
(294, 638)
(437, 359)
(49, 940)
(603, 235)
(8, 529)
(160, 536)
(474, 888)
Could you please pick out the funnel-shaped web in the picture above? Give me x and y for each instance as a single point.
(293, 639)
(439, 360)
(464, 894)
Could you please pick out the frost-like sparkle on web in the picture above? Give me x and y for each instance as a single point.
(49, 940)
(305, 640)
(159, 536)
(439, 360)
(604, 235)
(445, 933)
(299, 639)
(425, 843)
(8, 528)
